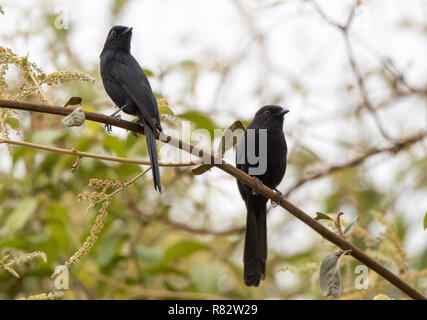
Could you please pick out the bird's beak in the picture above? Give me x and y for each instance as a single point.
(128, 30)
(283, 112)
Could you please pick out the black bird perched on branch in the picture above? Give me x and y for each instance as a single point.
(262, 154)
(128, 87)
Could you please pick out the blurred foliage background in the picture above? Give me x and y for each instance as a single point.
(355, 110)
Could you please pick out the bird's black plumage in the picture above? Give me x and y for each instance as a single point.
(271, 153)
(128, 87)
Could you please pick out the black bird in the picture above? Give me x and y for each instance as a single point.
(128, 87)
(261, 154)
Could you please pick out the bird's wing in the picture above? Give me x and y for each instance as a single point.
(129, 75)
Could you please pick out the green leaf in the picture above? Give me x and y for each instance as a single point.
(127, 170)
(322, 216)
(148, 73)
(202, 169)
(206, 276)
(200, 121)
(349, 228)
(228, 140)
(182, 249)
(230, 137)
(73, 101)
(165, 109)
(330, 275)
(149, 255)
(19, 217)
(62, 235)
(109, 249)
(164, 269)
(425, 221)
(115, 144)
(14, 123)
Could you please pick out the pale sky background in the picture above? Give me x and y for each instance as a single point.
(298, 45)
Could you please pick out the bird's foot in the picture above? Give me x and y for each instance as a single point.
(259, 184)
(133, 132)
(109, 127)
(280, 198)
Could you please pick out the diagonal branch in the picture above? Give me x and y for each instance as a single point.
(246, 179)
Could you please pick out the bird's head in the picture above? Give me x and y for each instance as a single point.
(270, 117)
(119, 38)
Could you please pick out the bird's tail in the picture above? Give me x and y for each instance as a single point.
(152, 152)
(255, 252)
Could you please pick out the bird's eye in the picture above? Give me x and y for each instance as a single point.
(267, 112)
(113, 33)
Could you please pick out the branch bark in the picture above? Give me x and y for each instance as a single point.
(243, 177)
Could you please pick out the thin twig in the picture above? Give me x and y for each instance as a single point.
(338, 224)
(363, 90)
(76, 164)
(3, 126)
(139, 175)
(344, 29)
(396, 147)
(82, 154)
(37, 84)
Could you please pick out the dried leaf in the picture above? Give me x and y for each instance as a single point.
(322, 216)
(330, 275)
(165, 109)
(75, 118)
(229, 137)
(73, 101)
(202, 169)
(227, 142)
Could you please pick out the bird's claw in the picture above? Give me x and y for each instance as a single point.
(280, 198)
(108, 128)
(259, 184)
(133, 132)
